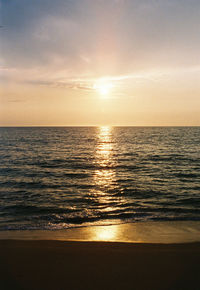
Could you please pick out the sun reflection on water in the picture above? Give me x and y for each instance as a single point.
(105, 175)
(104, 147)
(106, 185)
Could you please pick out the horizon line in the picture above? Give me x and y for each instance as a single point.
(78, 126)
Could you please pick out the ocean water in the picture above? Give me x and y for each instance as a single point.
(64, 177)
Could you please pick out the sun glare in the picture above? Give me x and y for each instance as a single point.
(103, 87)
(106, 233)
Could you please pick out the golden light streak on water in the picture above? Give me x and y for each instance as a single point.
(104, 176)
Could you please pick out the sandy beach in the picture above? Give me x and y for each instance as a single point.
(98, 265)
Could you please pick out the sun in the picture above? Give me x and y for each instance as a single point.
(103, 87)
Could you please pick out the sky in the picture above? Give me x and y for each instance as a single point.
(99, 62)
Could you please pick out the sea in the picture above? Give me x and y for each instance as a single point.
(54, 178)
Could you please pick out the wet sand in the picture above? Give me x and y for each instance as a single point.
(140, 232)
(98, 265)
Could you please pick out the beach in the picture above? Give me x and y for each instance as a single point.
(98, 265)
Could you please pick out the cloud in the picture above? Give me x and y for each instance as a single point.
(64, 39)
(16, 101)
(62, 79)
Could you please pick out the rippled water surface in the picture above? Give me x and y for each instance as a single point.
(52, 178)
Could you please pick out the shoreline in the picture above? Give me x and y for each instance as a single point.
(139, 232)
(85, 265)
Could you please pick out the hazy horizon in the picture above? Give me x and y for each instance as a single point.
(94, 126)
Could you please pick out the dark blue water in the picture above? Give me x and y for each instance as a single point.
(54, 178)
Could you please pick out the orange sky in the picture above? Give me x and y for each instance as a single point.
(117, 62)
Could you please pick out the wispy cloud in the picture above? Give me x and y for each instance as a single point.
(16, 100)
(100, 37)
(39, 77)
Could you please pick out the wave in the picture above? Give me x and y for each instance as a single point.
(63, 176)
